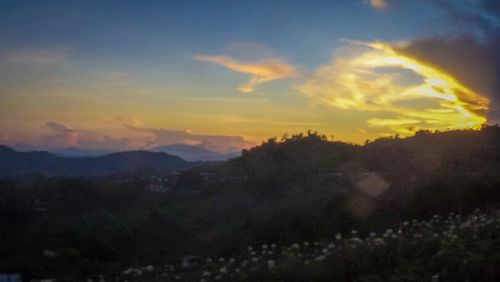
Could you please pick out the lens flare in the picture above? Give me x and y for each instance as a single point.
(403, 93)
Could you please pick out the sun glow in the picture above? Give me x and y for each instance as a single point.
(403, 93)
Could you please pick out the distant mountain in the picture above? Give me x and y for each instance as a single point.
(6, 150)
(78, 152)
(19, 163)
(194, 153)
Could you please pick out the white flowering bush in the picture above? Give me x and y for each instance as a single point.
(449, 248)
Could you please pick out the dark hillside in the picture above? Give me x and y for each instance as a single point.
(299, 189)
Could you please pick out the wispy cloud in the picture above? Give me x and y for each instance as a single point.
(261, 72)
(36, 56)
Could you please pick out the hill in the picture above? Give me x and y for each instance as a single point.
(78, 152)
(306, 186)
(14, 163)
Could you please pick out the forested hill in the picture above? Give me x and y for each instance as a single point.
(421, 153)
(419, 175)
(424, 153)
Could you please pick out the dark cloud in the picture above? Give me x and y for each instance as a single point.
(470, 52)
(480, 19)
(466, 59)
(493, 6)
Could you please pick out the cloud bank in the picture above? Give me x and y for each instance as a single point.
(63, 136)
(58, 136)
(269, 70)
(217, 143)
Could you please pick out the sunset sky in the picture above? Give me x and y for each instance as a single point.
(228, 74)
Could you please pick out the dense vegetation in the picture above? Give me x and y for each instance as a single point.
(443, 248)
(301, 188)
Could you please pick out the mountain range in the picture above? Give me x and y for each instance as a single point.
(192, 153)
(13, 162)
(79, 152)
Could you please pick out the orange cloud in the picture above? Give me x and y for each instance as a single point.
(265, 71)
(378, 4)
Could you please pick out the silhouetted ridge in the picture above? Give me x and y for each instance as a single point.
(5, 149)
(19, 163)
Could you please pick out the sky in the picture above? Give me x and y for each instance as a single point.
(227, 75)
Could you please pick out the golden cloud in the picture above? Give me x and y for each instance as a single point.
(378, 4)
(269, 70)
(403, 93)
